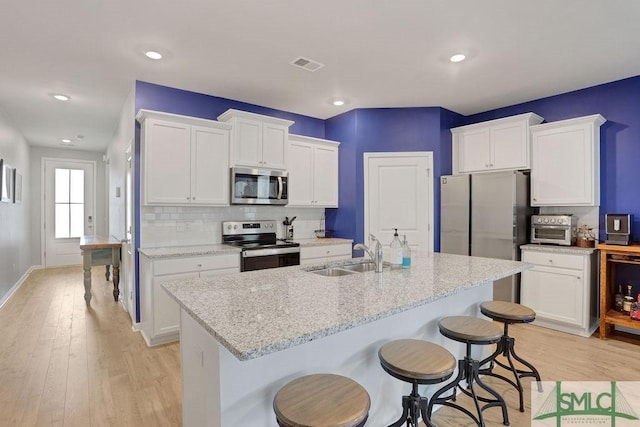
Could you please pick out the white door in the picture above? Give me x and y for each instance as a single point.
(127, 269)
(69, 208)
(399, 194)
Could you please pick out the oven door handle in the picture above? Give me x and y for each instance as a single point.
(553, 227)
(280, 188)
(269, 251)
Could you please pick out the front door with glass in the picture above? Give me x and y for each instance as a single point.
(69, 209)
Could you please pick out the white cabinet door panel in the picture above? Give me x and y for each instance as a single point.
(166, 311)
(301, 176)
(247, 142)
(474, 150)
(274, 146)
(555, 294)
(325, 176)
(506, 153)
(167, 163)
(210, 166)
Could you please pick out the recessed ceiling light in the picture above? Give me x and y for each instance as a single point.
(338, 102)
(151, 54)
(61, 97)
(457, 58)
(66, 140)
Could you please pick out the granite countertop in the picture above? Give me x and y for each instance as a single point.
(256, 313)
(558, 249)
(220, 249)
(323, 241)
(180, 251)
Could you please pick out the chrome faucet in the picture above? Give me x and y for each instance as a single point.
(375, 256)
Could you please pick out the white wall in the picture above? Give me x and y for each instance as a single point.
(35, 190)
(15, 249)
(122, 138)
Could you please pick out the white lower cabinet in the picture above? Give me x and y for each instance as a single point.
(324, 253)
(562, 290)
(159, 314)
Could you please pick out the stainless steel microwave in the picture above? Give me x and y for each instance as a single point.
(259, 186)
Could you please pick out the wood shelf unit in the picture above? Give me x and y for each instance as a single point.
(608, 316)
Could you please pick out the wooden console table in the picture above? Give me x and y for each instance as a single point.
(99, 250)
(621, 255)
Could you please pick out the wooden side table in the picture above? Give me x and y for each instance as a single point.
(610, 256)
(100, 250)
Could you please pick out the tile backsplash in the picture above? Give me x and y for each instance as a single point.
(588, 215)
(187, 225)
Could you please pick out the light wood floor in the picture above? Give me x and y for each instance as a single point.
(65, 365)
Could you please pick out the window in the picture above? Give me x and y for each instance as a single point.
(69, 203)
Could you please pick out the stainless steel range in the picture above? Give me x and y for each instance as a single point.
(260, 247)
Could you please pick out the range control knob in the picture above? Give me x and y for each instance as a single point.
(546, 220)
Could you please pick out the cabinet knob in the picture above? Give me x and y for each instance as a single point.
(486, 165)
(578, 277)
(198, 265)
(535, 200)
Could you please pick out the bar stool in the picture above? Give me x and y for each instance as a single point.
(470, 330)
(322, 400)
(416, 362)
(508, 313)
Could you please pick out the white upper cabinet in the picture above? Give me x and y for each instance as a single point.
(494, 145)
(313, 172)
(257, 140)
(185, 160)
(565, 162)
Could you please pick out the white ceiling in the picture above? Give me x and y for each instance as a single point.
(391, 53)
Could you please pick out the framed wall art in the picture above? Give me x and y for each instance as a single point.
(7, 183)
(17, 186)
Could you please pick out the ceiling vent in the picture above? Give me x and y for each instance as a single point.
(307, 64)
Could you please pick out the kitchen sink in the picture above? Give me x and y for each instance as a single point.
(333, 272)
(359, 267)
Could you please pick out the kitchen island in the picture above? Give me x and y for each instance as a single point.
(243, 336)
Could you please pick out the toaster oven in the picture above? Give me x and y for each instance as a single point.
(556, 229)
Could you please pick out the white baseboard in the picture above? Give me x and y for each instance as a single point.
(19, 283)
(135, 327)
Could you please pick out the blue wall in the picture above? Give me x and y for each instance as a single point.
(619, 103)
(427, 129)
(382, 130)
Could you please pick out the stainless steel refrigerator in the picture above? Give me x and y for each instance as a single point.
(486, 215)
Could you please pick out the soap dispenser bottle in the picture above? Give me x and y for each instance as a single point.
(396, 250)
(406, 253)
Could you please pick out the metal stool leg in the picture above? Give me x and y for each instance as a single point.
(506, 348)
(469, 370)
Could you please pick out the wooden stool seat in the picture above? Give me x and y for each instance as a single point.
(505, 311)
(416, 362)
(470, 330)
(415, 359)
(322, 400)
